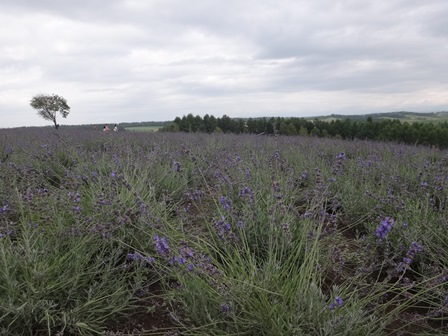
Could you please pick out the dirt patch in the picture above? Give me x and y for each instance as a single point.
(150, 317)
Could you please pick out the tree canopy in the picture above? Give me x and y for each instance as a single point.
(384, 130)
(48, 106)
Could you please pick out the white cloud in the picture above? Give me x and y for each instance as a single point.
(128, 60)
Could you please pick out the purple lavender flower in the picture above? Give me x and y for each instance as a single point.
(3, 209)
(223, 227)
(187, 252)
(176, 166)
(227, 204)
(8, 230)
(246, 192)
(195, 196)
(410, 256)
(385, 227)
(247, 174)
(276, 186)
(133, 256)
(162, 245)
(178, 260)
(224, 307)
(241, 224)
(138, 257)
(337, 303)
(407, 260)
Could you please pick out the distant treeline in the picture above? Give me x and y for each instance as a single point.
(384, 130)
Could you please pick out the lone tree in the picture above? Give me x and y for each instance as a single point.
(48, 106)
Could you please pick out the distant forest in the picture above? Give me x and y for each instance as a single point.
(415, 133)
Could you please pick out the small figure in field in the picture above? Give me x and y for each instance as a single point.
(115, 128)
(94, 127)
(106, 128)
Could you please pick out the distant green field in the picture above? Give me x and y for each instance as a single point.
(329, 119)
(143, 128)
(403, 116)
(429, 119)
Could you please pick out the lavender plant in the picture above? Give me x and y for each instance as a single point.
(241, 234)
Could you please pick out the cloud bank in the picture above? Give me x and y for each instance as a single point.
(130, 60)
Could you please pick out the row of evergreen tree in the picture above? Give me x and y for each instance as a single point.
(435, 134)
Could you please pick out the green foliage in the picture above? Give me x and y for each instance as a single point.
(60, 284)
(48, 106)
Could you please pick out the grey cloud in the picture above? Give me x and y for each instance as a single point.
(134, 58)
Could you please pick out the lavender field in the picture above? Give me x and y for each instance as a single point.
(191, 234)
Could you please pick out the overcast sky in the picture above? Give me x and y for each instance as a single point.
(153, 60)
